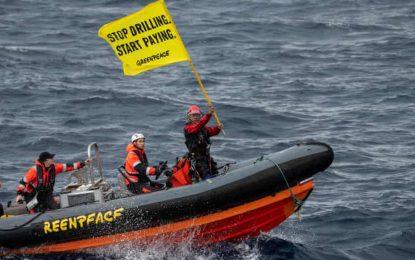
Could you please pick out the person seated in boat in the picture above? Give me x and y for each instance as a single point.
(197, 135)
(137, 168)
(36, 187)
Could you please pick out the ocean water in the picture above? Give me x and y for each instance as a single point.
(341, 72)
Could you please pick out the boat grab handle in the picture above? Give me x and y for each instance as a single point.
(94, 146)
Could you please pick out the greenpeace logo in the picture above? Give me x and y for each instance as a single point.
(81, 221)
(152, 58)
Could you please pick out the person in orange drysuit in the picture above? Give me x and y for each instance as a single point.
(137, 167)
(39, 181)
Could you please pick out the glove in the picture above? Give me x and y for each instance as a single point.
(19, 199)
(168, 172)
(160, 168)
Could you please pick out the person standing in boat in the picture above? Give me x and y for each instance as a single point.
(197, 135)
(137, 168)
(36, 187)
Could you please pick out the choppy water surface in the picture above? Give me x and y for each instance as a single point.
(341, 72)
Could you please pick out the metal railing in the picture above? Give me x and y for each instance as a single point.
(94, 150)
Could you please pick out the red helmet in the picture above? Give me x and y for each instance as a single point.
(193, 109)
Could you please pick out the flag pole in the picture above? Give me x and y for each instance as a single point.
(203, 89)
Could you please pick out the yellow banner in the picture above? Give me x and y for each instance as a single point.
(145, 40)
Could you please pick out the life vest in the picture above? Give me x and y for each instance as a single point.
(142, 155)
(198, 144)
(44, 188)
(181, 175)
(132, 174)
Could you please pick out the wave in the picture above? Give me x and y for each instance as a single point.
(209, 40)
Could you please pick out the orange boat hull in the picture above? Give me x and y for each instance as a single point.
(239, 222)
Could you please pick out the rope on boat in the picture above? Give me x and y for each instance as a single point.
(298, 203)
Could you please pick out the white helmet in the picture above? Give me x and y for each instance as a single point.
(137, 136)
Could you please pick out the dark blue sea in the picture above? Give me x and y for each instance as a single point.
(340, 72)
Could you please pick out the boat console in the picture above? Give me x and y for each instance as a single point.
(89, 185)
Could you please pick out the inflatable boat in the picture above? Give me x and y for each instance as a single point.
(246, 198)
